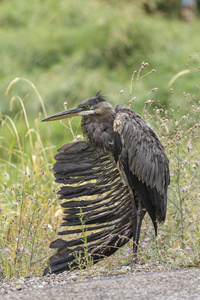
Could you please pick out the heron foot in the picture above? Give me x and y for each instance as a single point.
(126, 264)
(133, 262)
(130, 263)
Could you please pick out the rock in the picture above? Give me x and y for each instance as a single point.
(3, 291)
(74, 277)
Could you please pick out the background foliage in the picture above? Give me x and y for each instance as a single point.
(70, 50)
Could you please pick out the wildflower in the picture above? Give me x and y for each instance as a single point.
(148, 101)
(188, 248)
(7, 250)
(147, 239)
(144, 245)
(128, 249)
(180, 226)
(151, 229)
(154, 89)
(178, 248)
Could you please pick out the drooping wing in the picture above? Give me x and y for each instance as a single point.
(97, 208)
(143, 158)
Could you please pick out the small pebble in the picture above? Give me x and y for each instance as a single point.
(74, 277)
(3, 291)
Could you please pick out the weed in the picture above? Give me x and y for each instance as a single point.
(88, 261)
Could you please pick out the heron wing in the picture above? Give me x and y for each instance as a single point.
(143, 158)
(97, 208)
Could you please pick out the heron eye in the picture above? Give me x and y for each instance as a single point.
(87, 106)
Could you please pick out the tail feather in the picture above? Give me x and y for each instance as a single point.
(97, 211)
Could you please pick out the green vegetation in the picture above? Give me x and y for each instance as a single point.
(67, 52)
(70, 50)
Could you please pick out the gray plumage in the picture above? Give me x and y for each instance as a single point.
(110, 181)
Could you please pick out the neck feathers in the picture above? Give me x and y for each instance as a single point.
(99, 128)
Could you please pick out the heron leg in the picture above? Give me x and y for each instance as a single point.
(137, 216)
(137, 223)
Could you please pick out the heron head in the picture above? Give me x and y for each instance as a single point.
(94, 105)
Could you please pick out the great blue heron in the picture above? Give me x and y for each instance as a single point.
(110, 181)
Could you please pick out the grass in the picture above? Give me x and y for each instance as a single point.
(29, 210)
(28, 204)
(27, 220)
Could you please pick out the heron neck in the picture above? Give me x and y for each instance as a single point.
(99, 130)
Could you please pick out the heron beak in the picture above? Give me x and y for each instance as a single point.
(64, 114)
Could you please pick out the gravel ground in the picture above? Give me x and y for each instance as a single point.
(175, 284)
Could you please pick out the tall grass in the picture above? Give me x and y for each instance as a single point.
(178, 241)
(29, 210)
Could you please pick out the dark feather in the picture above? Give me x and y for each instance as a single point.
(144, 162)
(100, 206)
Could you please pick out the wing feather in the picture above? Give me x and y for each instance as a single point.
(96, 208)
(147, 161)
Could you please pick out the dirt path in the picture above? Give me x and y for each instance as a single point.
(176, 284)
